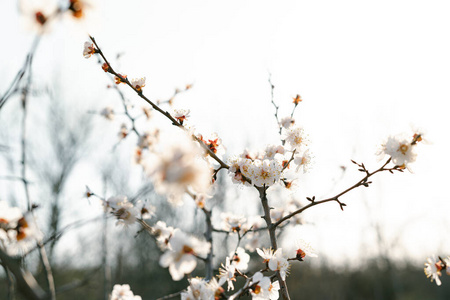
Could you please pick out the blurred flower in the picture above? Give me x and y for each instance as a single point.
(77, 8)
(231, 222)
(433, 268)
(123, 292)
(179, 168)
(163, 233)
(89, 49)
(126, 214)
(303, 249)
(108, 113)
(37, 15)
(18, 231)
(181, 255)
(147, 112)
(303, 161)
(148, 139)
(146, 210)
(123, 133)
(287, 122)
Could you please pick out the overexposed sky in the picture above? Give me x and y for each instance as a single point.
(365, 69)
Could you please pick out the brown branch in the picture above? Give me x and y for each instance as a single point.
(273, 238)
(156, 107)
(362, 182)
(209, 238)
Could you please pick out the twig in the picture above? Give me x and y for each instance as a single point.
(171, 295)
(209, 238)
(156, 107)
(362, 182)
(272, 87)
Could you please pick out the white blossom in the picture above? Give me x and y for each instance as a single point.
(240, 259)
(400, 149)
(180, 256)
(180, 168)
(433, 268)
(138, 83)
(227, 274)
(123, 292)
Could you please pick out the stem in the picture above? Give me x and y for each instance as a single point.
(336, 197)
(208, 237)
(273, 238)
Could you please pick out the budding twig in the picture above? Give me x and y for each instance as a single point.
(362, 182)
(156, 107)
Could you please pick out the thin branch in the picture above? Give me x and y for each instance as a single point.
(209, 238)
(172, 295)
(272, 87)
(362, 182)
(156, 107)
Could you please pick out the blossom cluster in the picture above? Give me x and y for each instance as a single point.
(401, 148)
(188, 165)
(270, 166)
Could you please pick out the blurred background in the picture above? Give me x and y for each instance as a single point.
(365, 70)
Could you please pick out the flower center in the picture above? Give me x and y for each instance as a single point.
(40, 18)
(187, 250)
(403, 149)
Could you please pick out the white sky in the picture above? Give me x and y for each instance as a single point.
(365, 69)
